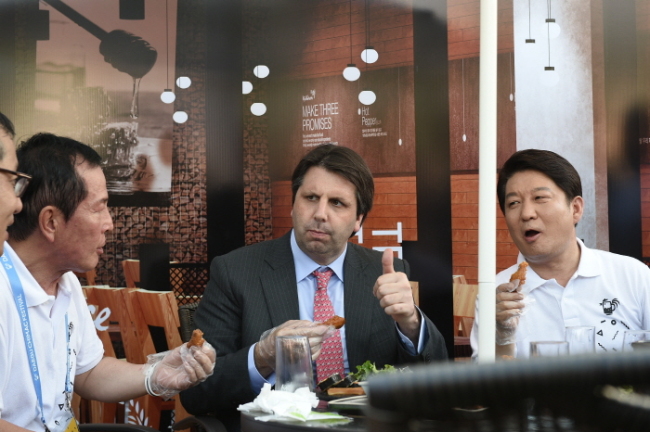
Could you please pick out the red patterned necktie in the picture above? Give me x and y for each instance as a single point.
(330, 360)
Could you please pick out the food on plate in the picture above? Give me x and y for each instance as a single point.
(347, 391)
(335, 321)
(197, 339)
(369, 368)
(329, 382)
(520, 273)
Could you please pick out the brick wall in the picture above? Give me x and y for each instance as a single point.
(464, 229)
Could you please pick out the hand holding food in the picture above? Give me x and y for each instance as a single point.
(394, 293)
(170, 372)
(197, 339)
(509, 306)
(265, 349)
(336, 321)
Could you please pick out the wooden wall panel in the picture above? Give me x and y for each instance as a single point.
(464, 28)
(464, 225)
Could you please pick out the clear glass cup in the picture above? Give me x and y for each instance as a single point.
(549, 348)
(634, 340)
(581, 339)
(293, 367)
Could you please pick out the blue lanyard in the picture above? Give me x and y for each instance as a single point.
(19, 298)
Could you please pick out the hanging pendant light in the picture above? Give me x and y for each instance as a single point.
(261, 71)
(180, 117)
(530, 37)
(370, 54)
(351, 72)
(367, 97)
(183, 82)
(246, 87)
(258, 109)
(167, 96)
(462, 74)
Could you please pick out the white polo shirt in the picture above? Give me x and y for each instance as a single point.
(18, 402)
(608, 291)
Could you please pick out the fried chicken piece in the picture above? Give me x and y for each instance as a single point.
(520, 273)
(197, 339)
(335, 321)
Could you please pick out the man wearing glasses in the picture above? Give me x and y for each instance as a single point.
(14, 184)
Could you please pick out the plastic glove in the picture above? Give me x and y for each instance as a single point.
(265, 348)
(509, 308)
(169, 372)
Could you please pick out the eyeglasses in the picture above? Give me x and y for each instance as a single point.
(20, 182)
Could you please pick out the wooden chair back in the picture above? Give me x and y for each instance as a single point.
(155, 308)
(105, 314)
(131, 269)
(464, 307)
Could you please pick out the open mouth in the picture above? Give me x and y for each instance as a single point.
(531, 234)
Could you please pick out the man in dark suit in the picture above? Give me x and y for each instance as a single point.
(270, 286)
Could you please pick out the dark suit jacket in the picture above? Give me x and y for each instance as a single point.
(253, 289)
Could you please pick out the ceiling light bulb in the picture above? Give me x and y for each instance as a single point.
(183, 82)
(180, 117)
(261, 71)
(351, 73)
(167, 96)
(367, 97)
(246, 87)
(258, 109)
(369, 55)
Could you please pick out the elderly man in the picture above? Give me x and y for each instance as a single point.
(567, 283)
(281, 287)
(15, 182)
(48, 343)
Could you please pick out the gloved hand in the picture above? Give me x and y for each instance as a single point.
(509, 307)
(265, 348)
(169, 372)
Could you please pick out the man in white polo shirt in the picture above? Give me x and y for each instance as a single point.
(48, 343)
(567, 283)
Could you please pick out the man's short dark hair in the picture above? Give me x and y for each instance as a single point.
(51, 161)
(551, 164)
(344, 162)
(8, 127)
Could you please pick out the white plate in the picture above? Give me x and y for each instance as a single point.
(354, 402)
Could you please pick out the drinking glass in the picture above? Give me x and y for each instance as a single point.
(549, 348)
(636, 340)
(581, 339)
(293, 368)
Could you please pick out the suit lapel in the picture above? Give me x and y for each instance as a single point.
(358, 300)
(278, 280)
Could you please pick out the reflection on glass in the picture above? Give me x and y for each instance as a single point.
(115, 145)
(549, 348)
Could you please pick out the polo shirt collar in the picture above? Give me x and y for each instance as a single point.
(305, 266)
(587, 267)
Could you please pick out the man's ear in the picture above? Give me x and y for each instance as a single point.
(577, 207)
(49, 221)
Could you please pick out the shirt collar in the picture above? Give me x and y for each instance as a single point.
(587, 267)
(305, 266)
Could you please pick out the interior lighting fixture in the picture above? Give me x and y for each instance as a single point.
(351, 72)
(367, 97)
(258, 109)
(167, 96)
(180, 117)
(369, 55)
(261, 71)
(183, 82)
(246, 87)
